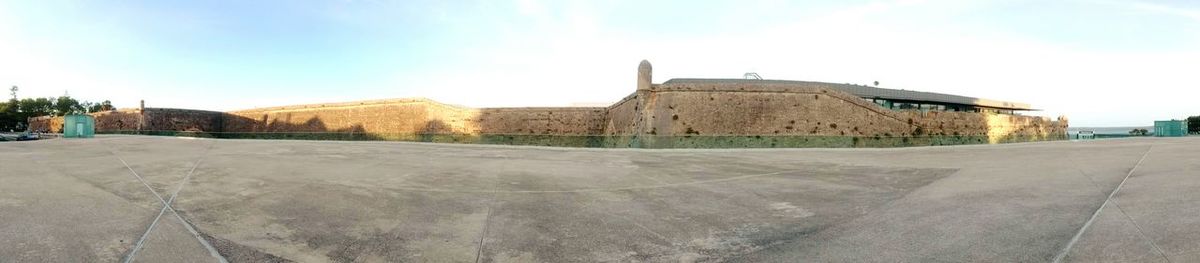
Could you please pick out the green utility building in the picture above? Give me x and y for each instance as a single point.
(1171, 128)
(79, 126)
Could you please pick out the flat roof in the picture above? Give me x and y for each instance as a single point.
(877, 93)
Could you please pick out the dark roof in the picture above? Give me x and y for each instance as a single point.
(873, 92)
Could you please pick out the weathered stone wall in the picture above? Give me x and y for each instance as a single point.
(570, 121)
(795, 112)
(386, 116)
(662, 116)
(162, 119)
(118, 120)
(669, 115)
(418, 116)
(51, 124)
(151, 119)
(771, 114)
(995, 127)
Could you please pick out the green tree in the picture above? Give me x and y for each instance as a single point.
(99, 106)
(37, 107)
(15, 113)
(1193, 124)
(66, 105)
(10, 116)
(9, 109)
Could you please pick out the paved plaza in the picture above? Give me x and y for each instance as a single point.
(166, 199)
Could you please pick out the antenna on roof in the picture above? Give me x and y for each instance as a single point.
(751, 75)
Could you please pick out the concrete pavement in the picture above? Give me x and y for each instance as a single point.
(325, 201)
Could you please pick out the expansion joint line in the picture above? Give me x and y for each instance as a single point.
(487, 219)
(167, 207)
(1070, 244)
(1142, 232)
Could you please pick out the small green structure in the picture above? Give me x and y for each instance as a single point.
(1171, 128)
(79, 126)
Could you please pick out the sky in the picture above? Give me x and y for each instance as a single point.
(1098, 62)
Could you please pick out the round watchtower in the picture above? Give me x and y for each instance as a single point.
(644, 75)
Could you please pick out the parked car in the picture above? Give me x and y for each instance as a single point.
(28, 137)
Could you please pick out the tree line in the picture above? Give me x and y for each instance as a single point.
(15, 113)
(1193, 123)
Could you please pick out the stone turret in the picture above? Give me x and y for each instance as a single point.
(141, 115)
(644, 75)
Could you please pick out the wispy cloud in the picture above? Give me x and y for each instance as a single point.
(1155, 8)
(538, 52)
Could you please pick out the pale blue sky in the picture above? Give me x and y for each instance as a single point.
(1100, 62)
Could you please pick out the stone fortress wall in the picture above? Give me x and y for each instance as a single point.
(790, 115)
(133, 119)
(668, 115)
